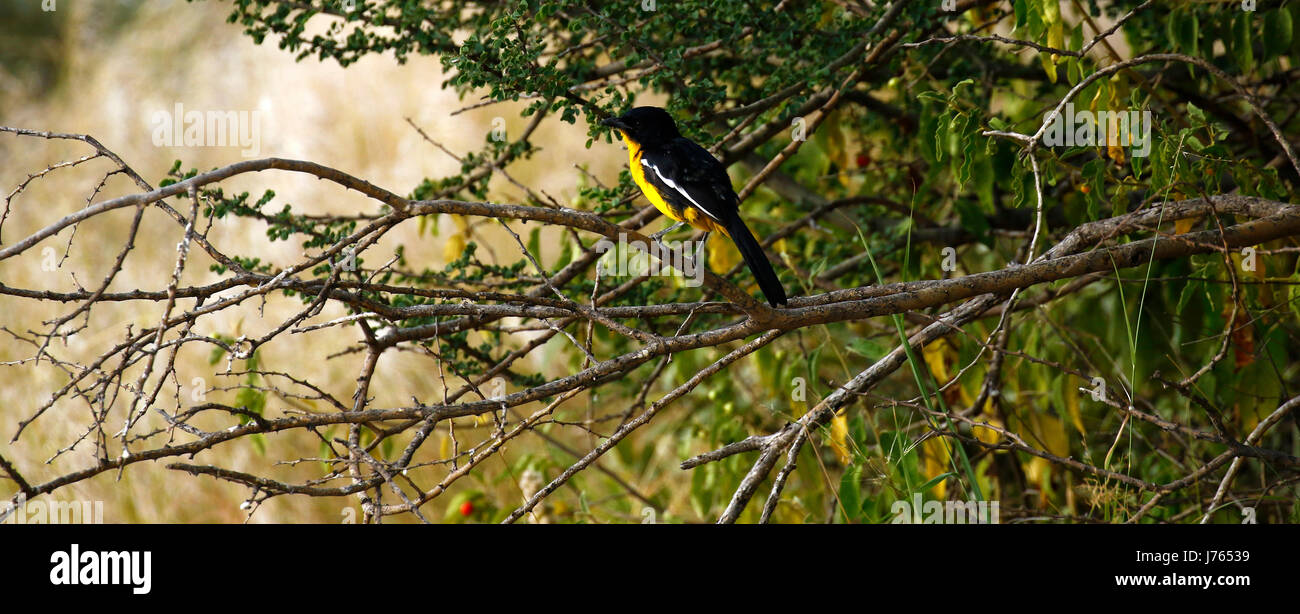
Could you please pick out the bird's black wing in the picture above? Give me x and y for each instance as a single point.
(687, 175)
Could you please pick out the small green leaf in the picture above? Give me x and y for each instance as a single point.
(934, 481)
(868, 348)
(1293, 294)
(940, 134)
(1189, 290)
(851, 492)
(535, 243)
(259, 443)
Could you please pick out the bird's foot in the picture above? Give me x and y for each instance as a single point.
(659, 235)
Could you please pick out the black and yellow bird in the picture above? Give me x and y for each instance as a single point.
(689, 186)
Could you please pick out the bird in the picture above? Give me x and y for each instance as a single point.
(689, 186)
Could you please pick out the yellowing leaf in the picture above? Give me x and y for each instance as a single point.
(1052, 13)
(1051, 431)
(1039, 472)
(1072, 408)
(455, 245)
(967, 399)
(840, 437)
(986, 434)
(1049, 65)
(935, 359)
(935, 462)
(1115, 152)
(722, 256)
(1103, 92)
(836, 145)
(1055, 40)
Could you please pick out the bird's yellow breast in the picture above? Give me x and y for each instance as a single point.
(638, 175)
(690, 215)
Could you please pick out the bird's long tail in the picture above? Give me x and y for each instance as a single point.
(756, 260)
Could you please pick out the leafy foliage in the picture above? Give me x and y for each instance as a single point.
(909, 152)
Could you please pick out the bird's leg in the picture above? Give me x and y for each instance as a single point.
(704, 245)
(659, 235)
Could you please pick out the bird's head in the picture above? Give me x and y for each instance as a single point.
(645, 125)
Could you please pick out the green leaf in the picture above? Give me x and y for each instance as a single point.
(851, 492)
(535, 243)
(252, 400)
(1293, 294)
(1277, 33)
(868, 348)
(1190, 290)
(1241, 41)
(940, 136)
(1022, 13)
(701, 491)
(1184, 30)
(567, 247)
(1049, 66)
(934, 481)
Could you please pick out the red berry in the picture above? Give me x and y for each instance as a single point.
(863, 160)
(466, 508)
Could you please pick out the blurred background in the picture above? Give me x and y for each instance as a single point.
(104, 68)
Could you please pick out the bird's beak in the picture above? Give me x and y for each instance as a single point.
(614, 122)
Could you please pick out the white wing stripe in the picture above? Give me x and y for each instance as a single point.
(672, 184)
